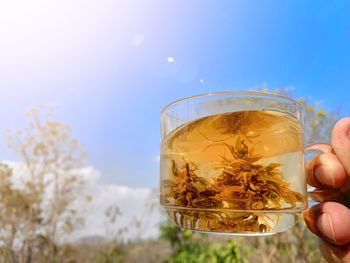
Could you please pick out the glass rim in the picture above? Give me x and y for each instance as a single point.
(242, 92)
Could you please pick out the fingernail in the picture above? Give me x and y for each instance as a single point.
(325, 226)
(324, 175)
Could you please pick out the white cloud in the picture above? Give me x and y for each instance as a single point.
(131, 201)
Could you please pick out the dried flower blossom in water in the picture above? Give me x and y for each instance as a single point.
(240, 185)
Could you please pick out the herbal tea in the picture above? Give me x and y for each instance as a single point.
(237, 172)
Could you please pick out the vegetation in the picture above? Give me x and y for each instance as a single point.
(190, 247)
(37, 210)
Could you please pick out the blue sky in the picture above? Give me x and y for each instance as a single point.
(104, 65)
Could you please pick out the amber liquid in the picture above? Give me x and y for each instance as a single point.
(237, 173)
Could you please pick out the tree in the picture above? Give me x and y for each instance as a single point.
(14, 207)
(318, 120)
(40, 210)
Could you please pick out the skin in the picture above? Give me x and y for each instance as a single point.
(329, 172)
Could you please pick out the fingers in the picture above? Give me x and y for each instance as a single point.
(330, 172)
(335, 254)
(341, 142)
(332, 168)
(325, 170)
(331, 194)
(330, 221)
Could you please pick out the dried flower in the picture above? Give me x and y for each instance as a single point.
(242, 184)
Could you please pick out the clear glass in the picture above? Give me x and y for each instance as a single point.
(233, 163)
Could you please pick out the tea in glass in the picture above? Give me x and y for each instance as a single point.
(237, 172)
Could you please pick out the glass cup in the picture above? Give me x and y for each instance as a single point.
(233, 163)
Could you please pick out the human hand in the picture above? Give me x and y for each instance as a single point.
(330, 173)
